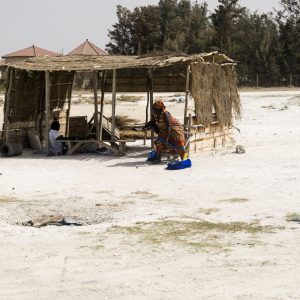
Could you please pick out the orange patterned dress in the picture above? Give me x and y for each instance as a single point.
(176, 141)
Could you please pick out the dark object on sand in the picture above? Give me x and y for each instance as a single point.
(8, 150)
(240, 149)
(295, 219)
(52, 220)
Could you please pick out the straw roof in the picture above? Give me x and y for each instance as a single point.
(87, 48)
(32, 51)
(109, 62)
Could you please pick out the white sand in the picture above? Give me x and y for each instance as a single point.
(99, 261)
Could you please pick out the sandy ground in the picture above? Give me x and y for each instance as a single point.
(216, 231)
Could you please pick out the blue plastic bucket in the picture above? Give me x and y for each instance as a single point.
(179, 165)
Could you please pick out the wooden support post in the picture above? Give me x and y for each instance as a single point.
(151, 103)
(7, 106)
(113, 109)
(187, 93)
(189, 136)
(223, 142)
(257, 81)
(96, 116)
(69, 96)
(103, 77)
(47, 107)
(147, 114)
(291, 80)
(147, 107)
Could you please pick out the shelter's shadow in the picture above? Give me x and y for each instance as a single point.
(136, 164)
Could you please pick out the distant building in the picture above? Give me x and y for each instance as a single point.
(87, 48)
(84, 80)
(32, 51)
(2, 67)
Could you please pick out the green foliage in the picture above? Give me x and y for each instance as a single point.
(267, 46)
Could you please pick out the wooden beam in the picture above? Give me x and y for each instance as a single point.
(7, 106)
(103, 77)
(96, 116)
(47, 107)
(187, 93)
(151, 102)
(113, 111)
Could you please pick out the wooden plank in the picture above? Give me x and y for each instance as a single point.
(187, 92)
(150, 72)
(69, 97)
(189, 144)
(7, 107)
(147, 114)
(103, 75)
(107, 125)
(96, 116)
(47, 107)
(113, 112)
(75, 147)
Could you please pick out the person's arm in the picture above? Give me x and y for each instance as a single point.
(168, 124)
(149, 124)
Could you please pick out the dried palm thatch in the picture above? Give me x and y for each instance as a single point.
(214, 89)
(109, 62)
(124, 121)
(135, 134)
(127, 129)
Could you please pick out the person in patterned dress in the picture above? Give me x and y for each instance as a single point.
(170, 132)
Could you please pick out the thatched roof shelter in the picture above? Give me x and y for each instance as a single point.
(110, 62)
(37, 86)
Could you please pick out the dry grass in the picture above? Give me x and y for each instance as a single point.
(191, 233)
(293, 217)
(129, 98)
(144, 195)
(208, 211)
(5, 200)
(235, 200)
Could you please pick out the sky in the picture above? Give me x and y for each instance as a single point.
(61, 25)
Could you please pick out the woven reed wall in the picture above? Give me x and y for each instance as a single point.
(214, 88)
(27, 104)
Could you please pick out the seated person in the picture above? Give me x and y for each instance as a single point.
(55, 147)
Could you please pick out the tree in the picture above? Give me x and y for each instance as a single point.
(289, 35)
(292, 7)
(200, 34)
(224, 19)
(121, 36)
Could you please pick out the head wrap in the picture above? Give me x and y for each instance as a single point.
(158, 104)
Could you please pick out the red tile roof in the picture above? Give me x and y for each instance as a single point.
(32, 51)
(2, 62)
(87, 48)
